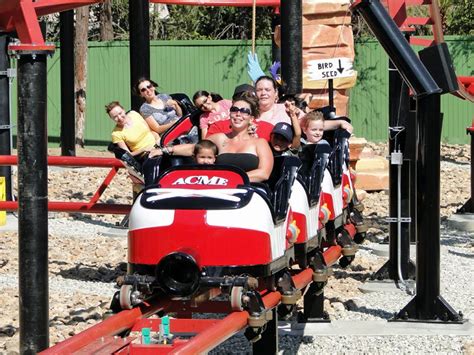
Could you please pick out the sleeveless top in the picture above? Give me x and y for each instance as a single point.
(245, 161)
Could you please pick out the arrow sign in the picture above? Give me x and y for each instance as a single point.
(340, 69)
(330, 68)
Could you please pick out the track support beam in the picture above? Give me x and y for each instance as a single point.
(33, 202)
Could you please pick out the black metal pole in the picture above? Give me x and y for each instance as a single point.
(68, 125)
(428, 304)
(33, 202)
(331, 92)
(139, 21)
(401, 128)
(413, 72)
(291, 45)
(5, 124)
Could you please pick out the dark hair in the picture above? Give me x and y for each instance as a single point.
(269, 78)
(136, 91)
(251, 100)
(241, 89)
(214, 96)
(110, 106)
(298, 101)
(205, 144)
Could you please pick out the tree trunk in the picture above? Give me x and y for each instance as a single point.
(80, 48)
(106, 28)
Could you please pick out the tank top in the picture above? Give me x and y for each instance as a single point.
(245, 161)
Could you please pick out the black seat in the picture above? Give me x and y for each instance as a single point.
(184, 102)
(339, 156)
(281, 180)
(315, 159)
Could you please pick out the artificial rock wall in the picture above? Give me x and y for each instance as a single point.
(327, 34)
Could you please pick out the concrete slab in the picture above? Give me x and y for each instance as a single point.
(11, 225)
(384, 286)
(463, 222)
(375, 328)
(384, 249)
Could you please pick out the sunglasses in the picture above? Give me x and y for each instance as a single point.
(242, 110)
(149, 86)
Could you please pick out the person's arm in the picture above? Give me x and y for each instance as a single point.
(135, 152)
(155, 127)
(175, 106)
(292, 111)
(156, 136)
(265, 162)
(179, 149)
(331, 125)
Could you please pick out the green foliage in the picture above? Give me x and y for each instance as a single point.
(199, 22)
(458, 16)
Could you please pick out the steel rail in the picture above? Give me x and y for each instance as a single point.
(83, 207)
(91, 162)
(201, 343)
(111, 326)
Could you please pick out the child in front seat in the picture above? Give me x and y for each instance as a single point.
(313, 125)
(205, 152)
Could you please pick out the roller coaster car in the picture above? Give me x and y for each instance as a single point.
(203, 227)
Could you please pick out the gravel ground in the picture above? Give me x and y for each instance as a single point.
(84, 264)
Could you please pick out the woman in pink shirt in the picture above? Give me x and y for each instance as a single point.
(214, 108)
(267, 93)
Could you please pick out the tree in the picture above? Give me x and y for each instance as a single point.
(106, 27)
(80, 49)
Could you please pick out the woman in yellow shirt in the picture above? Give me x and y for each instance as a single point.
(131, 132)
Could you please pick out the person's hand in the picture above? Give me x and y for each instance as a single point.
(291, 109)
(155, 153)
(254, 70)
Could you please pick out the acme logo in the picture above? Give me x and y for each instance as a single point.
(201, 180)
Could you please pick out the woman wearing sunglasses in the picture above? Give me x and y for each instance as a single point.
(214, 108)
(239, 147)
(158, 110)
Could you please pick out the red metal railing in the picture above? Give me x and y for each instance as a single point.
(92, 206)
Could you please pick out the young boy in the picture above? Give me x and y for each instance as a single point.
(281, 139)
(205, 152)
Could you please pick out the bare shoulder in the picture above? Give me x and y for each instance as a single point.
(217, 138)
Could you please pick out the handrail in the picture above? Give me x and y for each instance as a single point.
(92, 206)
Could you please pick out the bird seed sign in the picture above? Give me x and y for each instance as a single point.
(329, 68)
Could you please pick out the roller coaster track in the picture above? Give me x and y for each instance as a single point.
(399, 12)
(103, 338)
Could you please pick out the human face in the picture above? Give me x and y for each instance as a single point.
(279, 143)
(266, 93)
(147, 90)
(205, 156)
(118, 115)
(204, 103)
(314, 131)
(237, 117)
